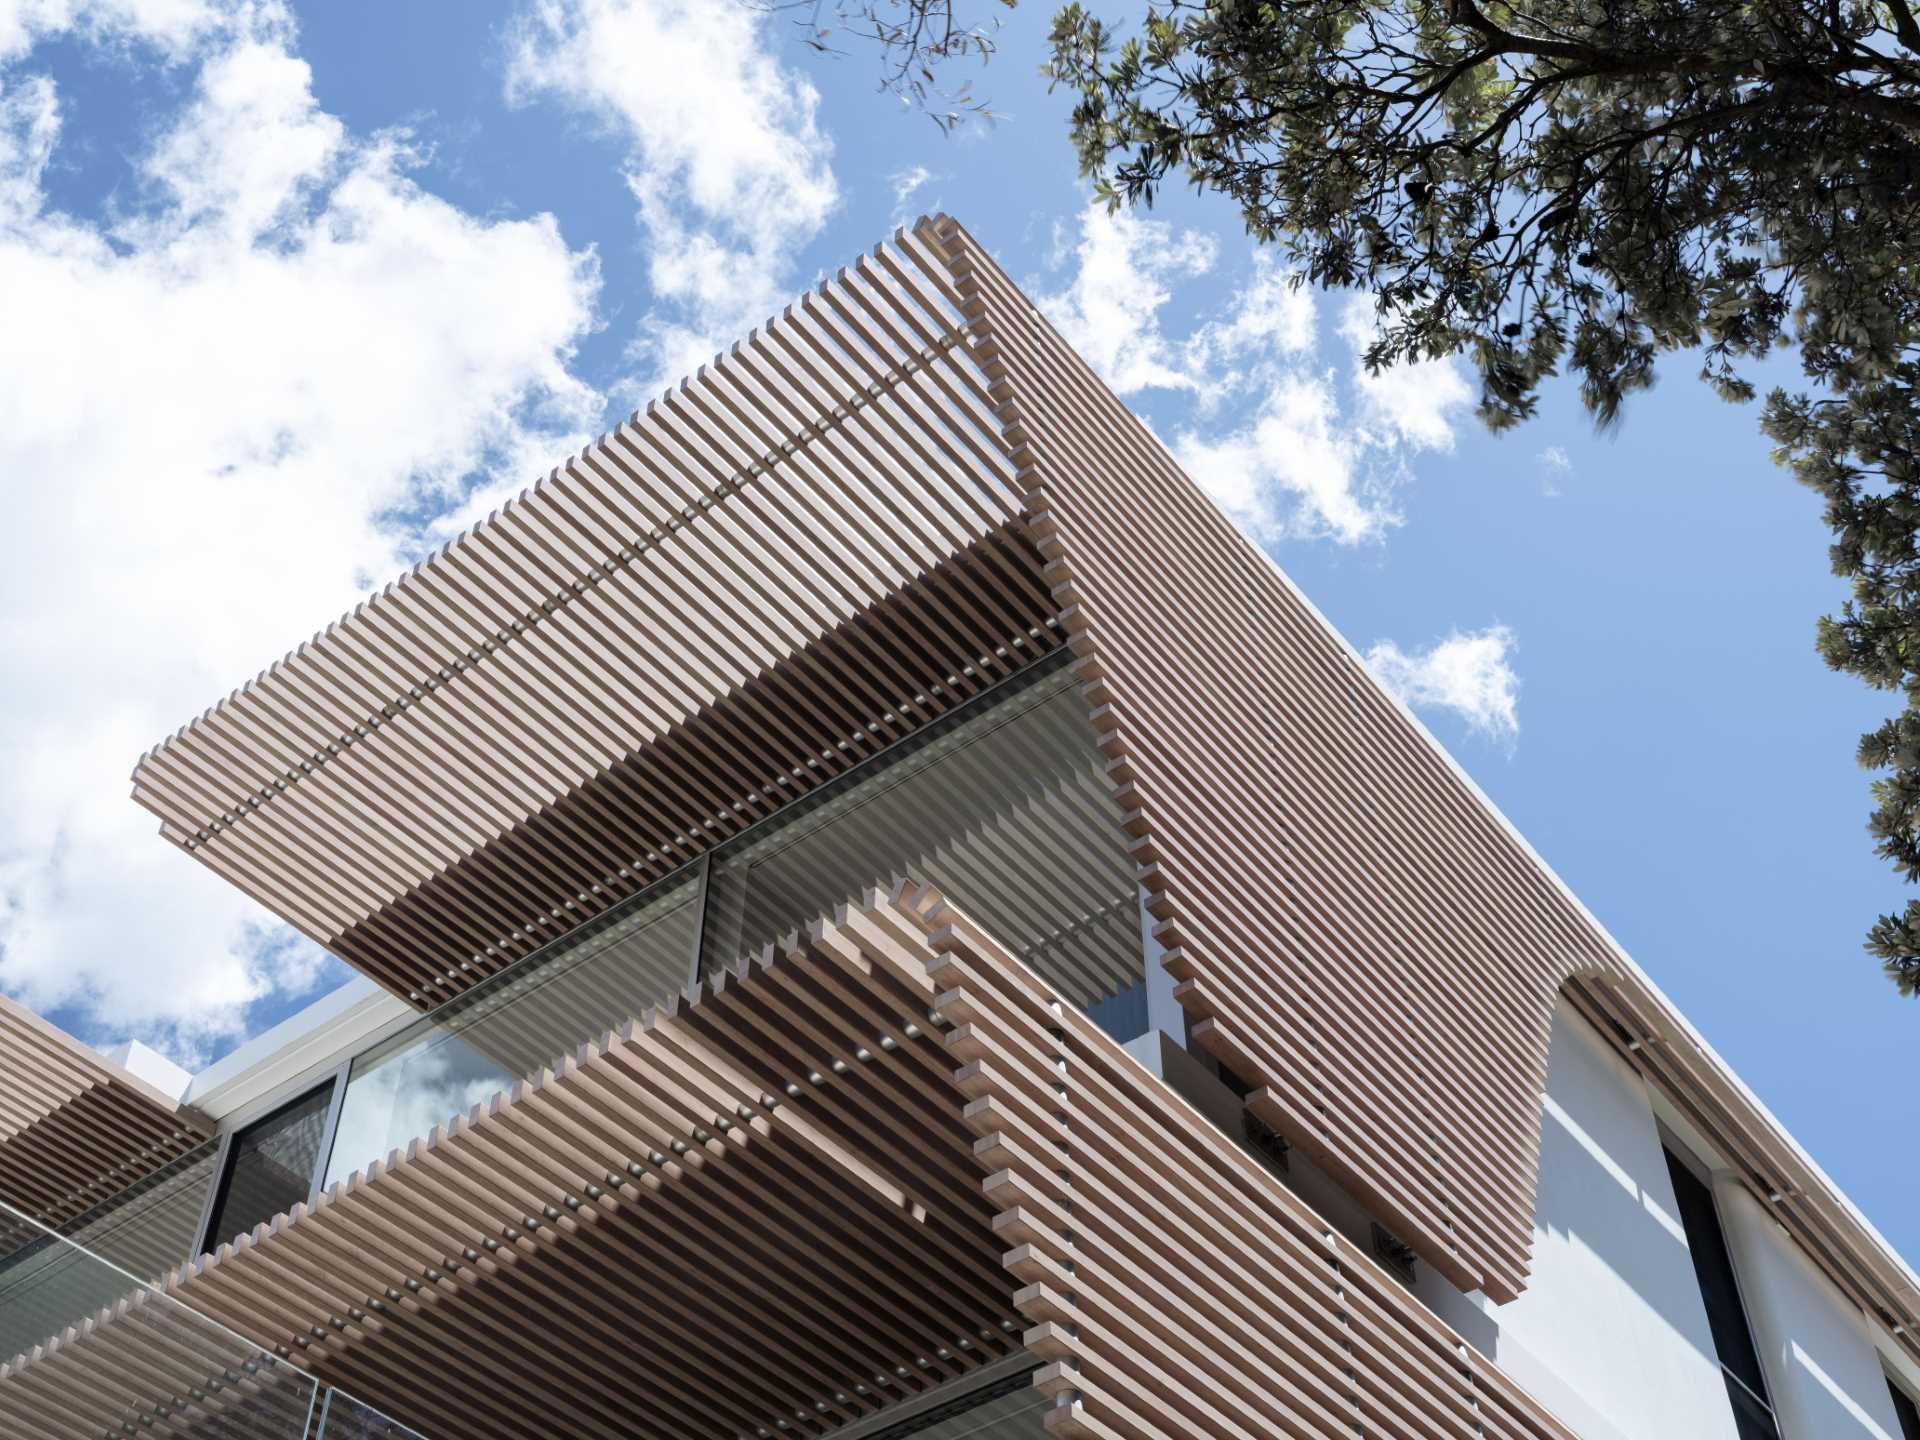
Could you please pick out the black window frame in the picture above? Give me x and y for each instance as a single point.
(335, 1085)
(1717, 1279)
(1906, 1409)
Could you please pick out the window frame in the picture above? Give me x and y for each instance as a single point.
(1910, 1395)
(287, 1097)
(1684, 1155)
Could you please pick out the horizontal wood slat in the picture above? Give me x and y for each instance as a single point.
(542, 718)
(1185, 1289)
(75, 1129)
(904, 488)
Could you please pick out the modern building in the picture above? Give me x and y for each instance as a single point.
(882, 915)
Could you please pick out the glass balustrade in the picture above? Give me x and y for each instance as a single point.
(510, 1026)
(1005, 806)
(1008, 1408)
(1008, 812)
(147, 1229)
(87, 1347)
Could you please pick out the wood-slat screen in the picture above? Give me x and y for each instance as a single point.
(866, 1164)
(798, 556)
(903, 489)
(75, 1130)
(1358, 936)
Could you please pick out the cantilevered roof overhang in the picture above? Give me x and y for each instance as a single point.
(881, 1157)
(803, 553)
(903, 488)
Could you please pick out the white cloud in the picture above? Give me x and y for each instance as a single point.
(1110, 312)
(1414, 402)
(1555, 465)
(1290, 448)
(1469, 673)
(1270, 318)
(1293, 472)
(227, 401)
(725, 158)
(906, 184)
(171, 26)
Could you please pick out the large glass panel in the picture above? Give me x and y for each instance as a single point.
(1005, 806)
(147, 1229)
(1009, 1409)
(344, 1418)
(1007, 811)
(152, 1366)
(509, 1027)
(270, 1167)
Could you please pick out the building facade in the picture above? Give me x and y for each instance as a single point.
(882, 914)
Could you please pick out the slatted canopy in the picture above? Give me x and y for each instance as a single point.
(877, 1158)
(900, 490)
(76, 1129)
(803, 553)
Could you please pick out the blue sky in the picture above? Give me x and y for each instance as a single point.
(292, 295)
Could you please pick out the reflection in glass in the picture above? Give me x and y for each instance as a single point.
(1009, 813)
(167, 1359)
(1005, 806)
(147, 1229)
(270, 1167)
(1008, 1409)
(505, 1029)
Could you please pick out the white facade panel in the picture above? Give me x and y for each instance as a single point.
(1817, 1349)
(1610, 1333)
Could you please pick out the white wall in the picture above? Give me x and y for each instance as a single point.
(1816, 1348)
(1610, 1333)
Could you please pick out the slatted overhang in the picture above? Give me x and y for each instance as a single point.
(878, 1157)
(1357, 932)
(451, 775)
(804, 552)
(76, 1129)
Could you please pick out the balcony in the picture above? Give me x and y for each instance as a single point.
(94, 1351)
(1004, 807)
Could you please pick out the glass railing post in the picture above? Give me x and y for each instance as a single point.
(700, 921)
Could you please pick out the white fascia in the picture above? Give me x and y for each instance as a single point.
(306, 1045)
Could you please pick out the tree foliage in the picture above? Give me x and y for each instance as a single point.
(1583, 185)
(916, 39)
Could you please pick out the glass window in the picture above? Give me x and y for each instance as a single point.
(1008, 812)
(270, 1166)
(1726, 1316)
(1004, 805)
(1008, 1409)
(508, 1027)
(1908, 1412)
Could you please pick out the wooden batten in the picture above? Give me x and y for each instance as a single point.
(812, 1193)
(1357, 934)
